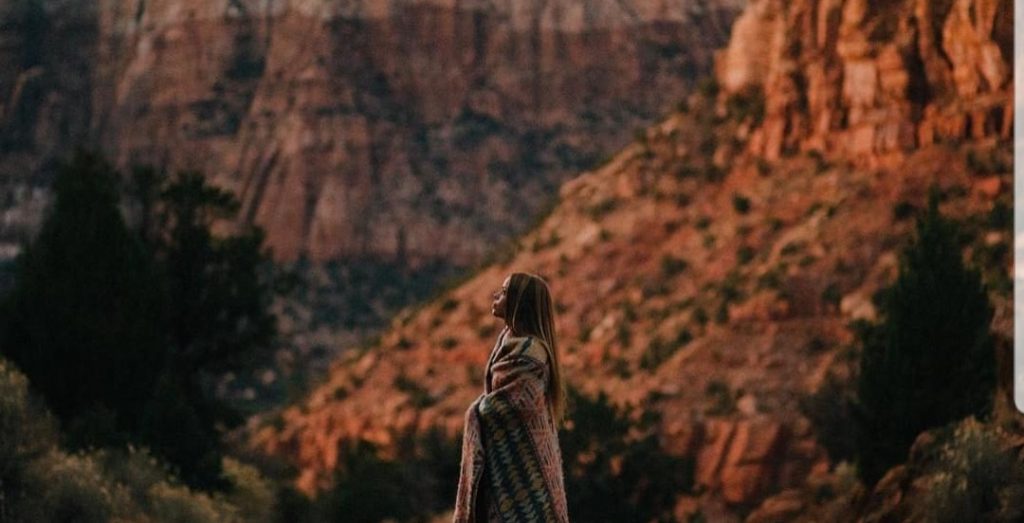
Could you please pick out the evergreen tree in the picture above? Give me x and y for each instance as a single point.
(84, 318)
(219, 291)
(126, 333)
(931, 360)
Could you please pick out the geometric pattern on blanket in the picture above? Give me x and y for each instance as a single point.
(510, 427)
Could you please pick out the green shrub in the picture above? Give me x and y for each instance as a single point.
(1001, 216)
(722, 312)
(993, 161)
(28, 431)
(791, 248)
(645, 485)
(685, 171)
(250, 492)
(173, 503)
(747, 104)
(903, 210)
(700, 315)
(671, 266)
(449, 304)
(708, 240)
(831, 295)
(368, 488)
(623, 334)
(744, 254)
(830, 410)
(724, 403)
(974, 479)
(72, 488)
(418, 396)
(602, 208)
(708, 87)
(659, 350)
(712, 172)
(771, 279)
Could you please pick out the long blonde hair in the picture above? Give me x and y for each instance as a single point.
(531, 312)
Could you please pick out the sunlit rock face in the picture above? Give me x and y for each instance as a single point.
(873, 79)
(405, 129)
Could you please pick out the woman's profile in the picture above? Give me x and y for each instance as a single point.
(511, 466)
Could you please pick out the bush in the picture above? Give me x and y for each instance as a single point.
(903, 210)
(740, 203)
(644, 484)
(659, 350)
(830, 411)
(722, 396)
(72, 488)
(747, 104)
(708, 87)
(250, 492)
(418, 395)
(368, 488)
(41, 482)
(671, 266)
(173, 503)
(974, 480)
(27, 433)
(602, 208)
(744, 254)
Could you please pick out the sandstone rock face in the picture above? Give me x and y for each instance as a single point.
(873, 81)
(413, 129)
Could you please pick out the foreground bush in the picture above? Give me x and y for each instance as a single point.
(973, 479)
(41, 482)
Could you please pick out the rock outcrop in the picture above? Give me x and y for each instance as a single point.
(873, 81)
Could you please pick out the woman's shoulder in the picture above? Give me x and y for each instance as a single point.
(526, 345)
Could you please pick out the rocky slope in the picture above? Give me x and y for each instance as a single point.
(408, 130)
(710, 269)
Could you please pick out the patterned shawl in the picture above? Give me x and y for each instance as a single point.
(510, 443)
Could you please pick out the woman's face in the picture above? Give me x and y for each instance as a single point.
(500, 299)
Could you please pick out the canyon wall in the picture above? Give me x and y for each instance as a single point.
(409, 130)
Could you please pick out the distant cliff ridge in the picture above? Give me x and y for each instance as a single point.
(414, 129)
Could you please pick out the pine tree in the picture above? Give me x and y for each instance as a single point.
(219, 291)
(931, 360)
(124, 331)
(84, 318)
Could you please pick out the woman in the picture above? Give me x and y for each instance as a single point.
(511, 467)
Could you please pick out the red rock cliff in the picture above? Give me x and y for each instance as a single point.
(415, 128)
